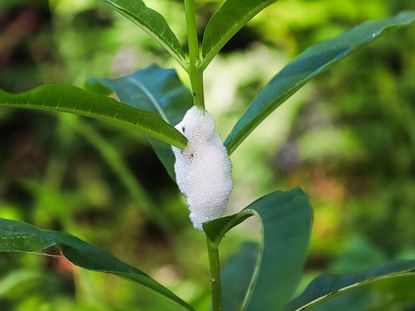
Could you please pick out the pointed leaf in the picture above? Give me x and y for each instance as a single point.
(327, 286)
(157, 90)
(309, 64)
(227, 21)
(153, 23)
(65, 98)
(286, 219)
(21, 237)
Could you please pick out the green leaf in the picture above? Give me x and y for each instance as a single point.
(20, 237)
(325, 287)
(227, 21)
(358, 299)
(237, 276)
(153, 23)
(65, 98)
(286, 219)
(309, 64)
(157, 90)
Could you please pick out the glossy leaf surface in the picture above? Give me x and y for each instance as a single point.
(20, 237)
(325, 287)
(151, 22)
(227, 21)
(285, 218)
(65, 98)
(156, 90)
(309, 64)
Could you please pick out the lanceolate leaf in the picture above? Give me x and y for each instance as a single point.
(328, 286)
(286, 219)
(157, 90)
(227, 21)
(153, 23)
(64, 98)
(309, 64)
(20, 237)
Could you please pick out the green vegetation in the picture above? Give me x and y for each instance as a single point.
(348, 140)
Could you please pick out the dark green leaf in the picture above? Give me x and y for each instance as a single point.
(65, 98)
(286, 219)
(327, 286)
(153, 23)
(157, 90)
(309, 64)
(237, 276)
(20, 237)
(358, 299)
(226, 22)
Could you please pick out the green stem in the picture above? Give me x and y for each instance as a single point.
(195, 74)
(214, 266)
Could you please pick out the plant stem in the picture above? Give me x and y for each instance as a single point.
(195, 74)
(214, 266)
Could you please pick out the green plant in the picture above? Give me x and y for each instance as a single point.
(152, 100)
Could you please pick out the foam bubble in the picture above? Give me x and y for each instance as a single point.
(203, 170)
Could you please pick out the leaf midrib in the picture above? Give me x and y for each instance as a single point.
(233, 141)
(179, 56)
(339, 291)
(220, 43)
(150, 97)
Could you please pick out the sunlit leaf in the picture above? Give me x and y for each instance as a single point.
(157, 90)
(21, 237)
(285, 218)
(326, 287)
(151, 22)
(227, 21)
(309, 64)
(65, 98)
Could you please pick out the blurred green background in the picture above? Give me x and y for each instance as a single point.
(347, 138)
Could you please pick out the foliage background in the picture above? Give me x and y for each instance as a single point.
(347, 138)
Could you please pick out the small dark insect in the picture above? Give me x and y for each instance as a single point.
(183, 129)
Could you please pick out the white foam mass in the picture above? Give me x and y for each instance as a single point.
(203, 169)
